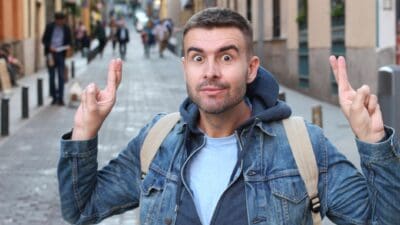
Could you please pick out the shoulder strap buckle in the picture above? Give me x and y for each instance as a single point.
(315, 204)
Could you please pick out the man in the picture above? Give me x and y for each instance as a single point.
(162, 34)
(113, 31)
(100, 34)
(56, 40)
(14, 66)
(123, 39)
(228, 160)
(79, 35)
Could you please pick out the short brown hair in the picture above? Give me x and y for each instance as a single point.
(59, 15)
(221, 17)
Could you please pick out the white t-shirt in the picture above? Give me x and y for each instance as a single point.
(209, 174)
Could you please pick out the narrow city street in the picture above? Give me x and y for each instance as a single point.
(29, 155)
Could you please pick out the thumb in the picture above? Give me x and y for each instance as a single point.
(360, 100)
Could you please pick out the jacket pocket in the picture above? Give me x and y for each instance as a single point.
(290, 200)
(152, 188)
(152, 183)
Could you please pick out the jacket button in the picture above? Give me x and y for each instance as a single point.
(251, 173)
(167, 221)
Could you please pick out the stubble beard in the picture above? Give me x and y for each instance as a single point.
(213, 106)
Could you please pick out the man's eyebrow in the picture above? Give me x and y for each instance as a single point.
(194, 49)
(222, 49)
(229, 47)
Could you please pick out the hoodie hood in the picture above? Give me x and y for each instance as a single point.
(262, 95)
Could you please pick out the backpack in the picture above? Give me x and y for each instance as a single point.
(299, 142)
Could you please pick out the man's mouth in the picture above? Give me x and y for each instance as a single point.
(212, 90)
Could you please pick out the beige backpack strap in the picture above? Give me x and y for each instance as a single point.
(155, 137)
(303, 153)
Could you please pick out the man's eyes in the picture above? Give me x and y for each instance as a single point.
(197, 58)
(222, 58)
(226, 58)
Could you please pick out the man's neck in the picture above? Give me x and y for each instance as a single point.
(224, 124)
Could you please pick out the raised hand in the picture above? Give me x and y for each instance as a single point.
(96, 104)
(360, 107)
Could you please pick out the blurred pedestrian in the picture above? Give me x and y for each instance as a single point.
(123, 38)
(10, 69)
(169, 24)
(85, 43)
(113, 33)
(14, 63)
(148, 38)
(162, 35)
(56, 40)
(100, 34)
(79, 32)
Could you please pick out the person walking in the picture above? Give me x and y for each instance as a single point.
(100, 34)
(85, 44)
(56, 40)
(14, 67)
(79, 32)
(162, 35)
(123, 38)
(148, 38)
(113, 33)
(228, 159)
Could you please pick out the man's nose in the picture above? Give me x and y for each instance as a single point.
(211, 69)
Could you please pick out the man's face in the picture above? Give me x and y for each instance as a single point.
(59, 22)
(217, 68)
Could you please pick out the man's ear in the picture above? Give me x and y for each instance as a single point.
(254, 63)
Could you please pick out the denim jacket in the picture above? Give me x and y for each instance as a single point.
(275, 193)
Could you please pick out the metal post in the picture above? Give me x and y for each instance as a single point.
(5, 118)
(25, 103)
(73, 69)
(40, 91)
(389, 95)
(317, 115)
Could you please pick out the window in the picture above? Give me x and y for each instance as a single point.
(338, 46)
(302, 14)
(337, 12)
(303, 63)
(276, 19)
(248, 13)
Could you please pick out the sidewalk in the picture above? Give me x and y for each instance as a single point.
(15, 95)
